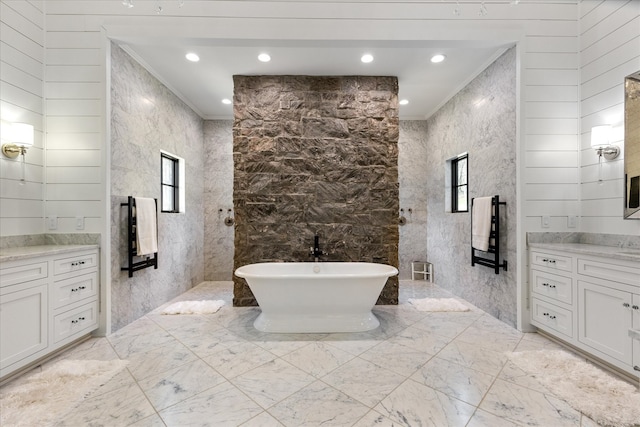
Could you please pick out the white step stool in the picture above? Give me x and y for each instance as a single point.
(423, 269)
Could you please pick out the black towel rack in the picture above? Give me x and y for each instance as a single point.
(147, 261)
(494, 236)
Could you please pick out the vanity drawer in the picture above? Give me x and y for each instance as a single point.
(75, 263)
(556, 262)
(23, 273)
(82, 319)
(554, 286)
(617, 273)
(547, 315)
(75, 289)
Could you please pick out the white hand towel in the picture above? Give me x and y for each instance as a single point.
(481, 216)
(146, 227)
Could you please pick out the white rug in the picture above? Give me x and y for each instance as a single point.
(194, 307)
(604, 398)
(438, 304)
(44, 398)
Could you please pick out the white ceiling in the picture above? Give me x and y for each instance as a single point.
(204, 84)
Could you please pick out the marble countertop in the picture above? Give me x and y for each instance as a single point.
(25, 252)
(626, 254)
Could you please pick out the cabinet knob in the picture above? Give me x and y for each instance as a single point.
(545, 284)
(545, 260)
(81, 318)
(552, 317)
(82, 287)
(74, 321)
(626, 305)
(552, 286)
(552, 261)
(635, 307)
(74, 290)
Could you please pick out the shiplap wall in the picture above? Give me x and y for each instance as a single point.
(21, 88)
(75, 87)
(609, 51)
(547, 30)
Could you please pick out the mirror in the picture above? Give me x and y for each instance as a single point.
(632, 146)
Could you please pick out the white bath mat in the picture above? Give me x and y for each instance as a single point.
(194, 307)
(438, 304)
(604, 398)
(44, 398)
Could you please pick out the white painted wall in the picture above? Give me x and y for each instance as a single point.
(609, 51)
(21, 74)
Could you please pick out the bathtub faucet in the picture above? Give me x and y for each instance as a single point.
(315, 251)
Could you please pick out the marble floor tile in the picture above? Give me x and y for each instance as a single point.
(318, 358)
(123, 406)
(222, 405)
(152, 421)
(139, 336)
(238, 359)
(447, 326)
(173, 386)
(484, 419)
(414, 404)
(121, 380)
(454, 380)
(164, 358)
(281, 344)
(525, 406)
(477, 358)
(417, 368)
(263, 420)
(406, 360)
(364, 381)
(420, 340)
(318, 405)
(209, 343)
(171, 322)
(494, 341)
(374, 419)
(354, 343)
(268, 384)
(513, 374)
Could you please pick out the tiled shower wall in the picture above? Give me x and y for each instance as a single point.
(218, 199)
(479, 120)
(315, 155)
(146, 118)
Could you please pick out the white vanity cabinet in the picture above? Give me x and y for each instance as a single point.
(588, 297)
(48, 299)
(552, 293)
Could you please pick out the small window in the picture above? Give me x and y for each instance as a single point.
(459, 184)
(170, 173)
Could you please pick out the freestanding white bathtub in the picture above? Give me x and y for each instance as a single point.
(316, 296)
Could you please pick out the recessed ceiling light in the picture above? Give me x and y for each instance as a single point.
(264, 57)
(366, 58)
(403, 102)
(192, 57)
(226, 101)
(437, 58)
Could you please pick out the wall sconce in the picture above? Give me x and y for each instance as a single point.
(600, 137)
(20, 137)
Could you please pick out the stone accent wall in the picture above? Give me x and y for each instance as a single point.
(315, 154)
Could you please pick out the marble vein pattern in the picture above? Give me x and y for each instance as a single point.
(418, 369)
